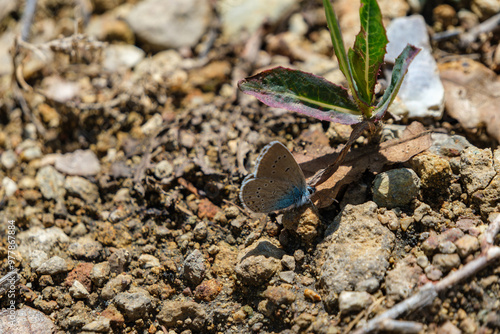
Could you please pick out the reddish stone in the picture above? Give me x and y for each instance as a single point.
(208, 290)
(81, 273)
(207, 209)
(115, 317)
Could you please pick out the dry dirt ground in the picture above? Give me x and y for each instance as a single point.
(122, 156)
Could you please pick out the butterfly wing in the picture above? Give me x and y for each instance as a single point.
(277, 183)
(276, 162)
(269, 194)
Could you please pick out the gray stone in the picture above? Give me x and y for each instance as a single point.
(287, 276)
(448, 146)
(421, 93)
(200, 231)
(446, 262)
(476, 168)
(370, 285)
(54, 265)
(394, 188)
(8, 159)
(119, 260)
(82, 188)
(174, 311)
(356, 247)
(37, 257)
(170, 24)
(350, 301)
(116, 285)
(86, 248)
(50, 182)
(79, 162)
(402, 280)
(100, 273)
(433, 273)
(148, 261)
(259, 262)
(248, 15)
(40, 239)
(288, 262)
(101, 325)
(134, 305)
(195, 267)
(447, 247)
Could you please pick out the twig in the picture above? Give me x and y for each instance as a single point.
(9, 280)
(429, 292)
(484, 27)
(29, 12)
(466, 38)
(398, 326)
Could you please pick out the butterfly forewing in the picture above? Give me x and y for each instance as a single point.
(277, 162)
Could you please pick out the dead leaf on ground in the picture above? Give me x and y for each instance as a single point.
(472, 95)
(373, 158)
(26, 321)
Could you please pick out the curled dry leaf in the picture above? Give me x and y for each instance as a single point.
(472, 95)
(415, 139)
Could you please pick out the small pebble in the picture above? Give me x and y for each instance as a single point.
(9, 186)
(422, 261)
(433, 273)
(446, 262)
(54, 265)
(447, 247)
(466, 245)
(350, 301)
(8, 159)
(78, 291)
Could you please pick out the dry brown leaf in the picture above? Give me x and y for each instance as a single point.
(27, 321)
(414, 140)
(472, 95)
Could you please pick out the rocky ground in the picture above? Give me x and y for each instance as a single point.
(123, 150)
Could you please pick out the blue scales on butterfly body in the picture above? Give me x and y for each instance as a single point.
(277, 182)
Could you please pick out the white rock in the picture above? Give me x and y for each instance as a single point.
(354, 301)
(9, 186)
(248, 15)
(77, 290)
(422, 93)
(119, 56)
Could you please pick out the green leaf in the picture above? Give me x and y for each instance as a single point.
(304, 93)
(338, 44)
(367, 55)
(398, 72)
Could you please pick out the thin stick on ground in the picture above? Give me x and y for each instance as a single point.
(426, 295)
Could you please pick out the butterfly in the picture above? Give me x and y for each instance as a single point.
(277, 182)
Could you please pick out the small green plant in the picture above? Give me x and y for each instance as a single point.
(316, 97)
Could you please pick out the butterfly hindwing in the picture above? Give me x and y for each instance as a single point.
(276, 184)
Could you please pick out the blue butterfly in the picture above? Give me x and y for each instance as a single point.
(277, 182)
